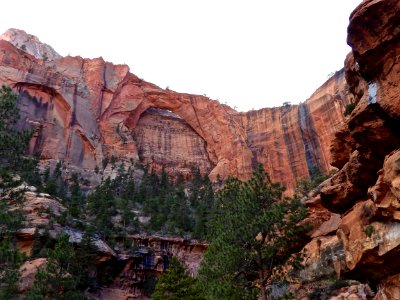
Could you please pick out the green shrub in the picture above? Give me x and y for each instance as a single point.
(369, 230)
(349, 108)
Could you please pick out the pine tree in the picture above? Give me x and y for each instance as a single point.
(10, 257)
(10, 260)
(254, 234)
(86, 256)
(13, 142)
(176, 284)
(57, 280)
(76, 199)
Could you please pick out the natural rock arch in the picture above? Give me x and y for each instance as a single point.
(214, 122)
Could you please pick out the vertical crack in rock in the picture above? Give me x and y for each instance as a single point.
(287, 137)
(72, 122)
(310, 139)
(104, 87)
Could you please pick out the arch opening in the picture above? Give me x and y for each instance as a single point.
(164, 140)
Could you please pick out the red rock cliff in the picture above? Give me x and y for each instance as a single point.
(358, 208)
(292, 140)
(86, 110)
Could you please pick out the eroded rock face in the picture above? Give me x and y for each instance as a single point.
(354, 292)
(323, 258)
(28, 272)
(164, 140)
(292, 140)
(365, 190)
(145, 256)
(389, 288)
(86, 110)
(386, 192)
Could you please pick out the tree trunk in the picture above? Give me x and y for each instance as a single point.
(262, 287)
(261, 276)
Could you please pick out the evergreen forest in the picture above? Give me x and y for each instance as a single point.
(251, 229)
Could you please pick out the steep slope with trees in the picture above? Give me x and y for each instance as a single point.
(254, 234)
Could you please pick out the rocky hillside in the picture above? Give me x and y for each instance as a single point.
(358, 208)
(90, 113)
(126, 265)
(87, 112)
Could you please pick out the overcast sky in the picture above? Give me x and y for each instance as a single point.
(248, 53)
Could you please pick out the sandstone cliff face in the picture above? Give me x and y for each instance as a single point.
(365, 242)
(293, 140)
(164, 139)
(87, 110)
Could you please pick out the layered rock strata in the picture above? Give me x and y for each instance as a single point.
(163, 139)
(364, 242)
(86, 111)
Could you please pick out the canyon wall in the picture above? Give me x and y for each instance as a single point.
(164, 139)
(356, 211)
(292, 141)
(87, 111)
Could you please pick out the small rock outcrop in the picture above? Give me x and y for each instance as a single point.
(28, 272)
(39, 212)
(30, 44)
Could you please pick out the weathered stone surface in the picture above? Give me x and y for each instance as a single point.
(352, 232)
(322, 221)
(293, 139)
(386, 192)
(189, 252)
(328, 227)
(152, 255)
(349, 184)
(115, 294)
(354, 292)
(341, 147)
(323, 258)
(164, 140)
(389, 288)
(86, 110)
(374, 25)
(365, 190)
(28, 272)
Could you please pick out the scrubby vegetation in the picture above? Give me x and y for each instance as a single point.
(10, 257)
(349, 108)
(253, 231)
(176, 284)
(305, 185)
